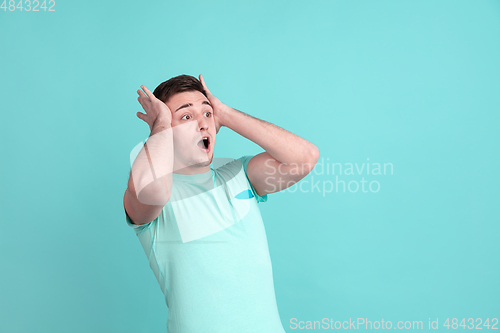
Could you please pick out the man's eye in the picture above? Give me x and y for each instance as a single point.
(208, 114)
(186, 116)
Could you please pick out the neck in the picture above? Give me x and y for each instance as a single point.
(192, 170)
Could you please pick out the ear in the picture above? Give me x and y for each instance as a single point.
(217, 125)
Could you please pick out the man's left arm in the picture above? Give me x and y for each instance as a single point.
(287, 158)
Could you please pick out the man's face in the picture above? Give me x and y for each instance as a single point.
(194, 132)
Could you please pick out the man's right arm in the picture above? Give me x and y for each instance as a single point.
(150, 180)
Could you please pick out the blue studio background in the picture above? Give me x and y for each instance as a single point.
(412, 85)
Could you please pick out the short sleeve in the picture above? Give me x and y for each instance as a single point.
(244, 160)
(140, 227)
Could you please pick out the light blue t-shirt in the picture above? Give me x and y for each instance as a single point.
(208, 250)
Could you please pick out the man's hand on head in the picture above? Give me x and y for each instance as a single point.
(158, 115)
(219, 108)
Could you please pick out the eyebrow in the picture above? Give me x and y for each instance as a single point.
(191, 104)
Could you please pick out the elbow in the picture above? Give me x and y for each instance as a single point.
(310, 159)
(314, 154)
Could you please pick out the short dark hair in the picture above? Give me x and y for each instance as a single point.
(178, 84)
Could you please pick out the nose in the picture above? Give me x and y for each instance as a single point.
(202, 123)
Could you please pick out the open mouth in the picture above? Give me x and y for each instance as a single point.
(204, 143)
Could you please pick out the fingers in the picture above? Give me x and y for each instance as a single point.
(204, 85)
(141, 100)
(141, 116)
(141, 94)
(149, 93)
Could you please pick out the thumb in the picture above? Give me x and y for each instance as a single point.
(204, 85)
(141, 116)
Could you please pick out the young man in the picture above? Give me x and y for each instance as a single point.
(200, 225)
